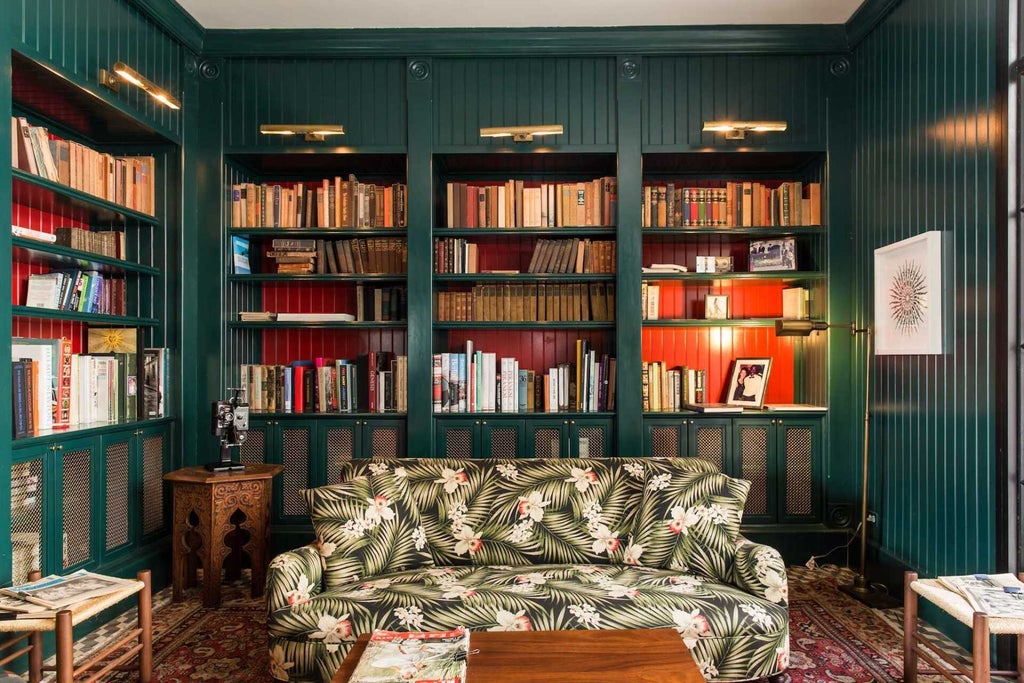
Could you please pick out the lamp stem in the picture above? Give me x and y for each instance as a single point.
(862, 581)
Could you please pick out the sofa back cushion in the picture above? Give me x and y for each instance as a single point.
(529, 511)
(365, 527)
(689, 521)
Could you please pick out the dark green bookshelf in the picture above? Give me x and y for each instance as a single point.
(779, 275)
(88, 430)
(76, 316)
(737, 232)
(528, 416)
(700, 322)
(39, 193)
(525, 325)
(526, 277)
(326, 416)
(330, 277)
(319, 233)
(274, 325)
(59, 256)
(586, 231)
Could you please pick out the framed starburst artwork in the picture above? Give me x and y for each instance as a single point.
(908, 296)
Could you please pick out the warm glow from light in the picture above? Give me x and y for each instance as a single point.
(521, 133)
(736, 130)
(312, 131)
(130, 75)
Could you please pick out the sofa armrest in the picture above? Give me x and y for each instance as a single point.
(294, 577)
(760, 570)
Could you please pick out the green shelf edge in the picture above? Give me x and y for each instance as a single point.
(737, 231)
(84, 199)
(790, 275)
(519, 416)
(345, 277)
(51, 314)
(526, 277)
(326, 233)
(83, 260)
(93, 429)
(310, 149)
(326, 416)
(577, 231)
(732, 322)
(747, 413)
(526, 325)
(274, 325)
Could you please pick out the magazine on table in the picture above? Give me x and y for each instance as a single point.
(998, 595)
(414, 657)
(57, 592)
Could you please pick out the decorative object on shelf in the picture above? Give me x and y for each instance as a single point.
(230, 424)
(521, 133)
(771, 255)
(748, 382)
(861, 588)
(113, 340)
(240, 255)
(311, 132)
(908, 296)
(737, 130)
(129, 75)
(714, 264)
(795, 303)
(716, 307)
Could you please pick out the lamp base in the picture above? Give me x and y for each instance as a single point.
(863, 592)
(225, 466)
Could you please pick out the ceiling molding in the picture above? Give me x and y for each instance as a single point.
(801, 39)
(866, 18)
(172, 18)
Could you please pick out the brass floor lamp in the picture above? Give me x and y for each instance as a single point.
(861, 588)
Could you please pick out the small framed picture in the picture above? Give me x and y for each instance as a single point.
(748, 382)
(716, 307)
(240, 255)
(768, 255)
(723, 264)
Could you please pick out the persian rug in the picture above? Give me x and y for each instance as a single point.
(833, 638)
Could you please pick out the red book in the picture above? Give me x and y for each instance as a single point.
(372, 381)
(297, 379)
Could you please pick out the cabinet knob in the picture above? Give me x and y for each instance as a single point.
(773, 421)
(60, 447)
(485, 422)
(693, 422)
(477, 422)
(780, 421)
(53, 447)
(572, 422)
(565, 422)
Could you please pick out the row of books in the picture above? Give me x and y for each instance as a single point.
(738, 204)
(374, 382)
(670, 390)
(325, 257)
(77, 290)
(54, 388)
(525, 204)
(125, 180)
(573, 256)
(544, 302)
(329, 203)
(103, 242)
(479, 382)
(381, 304)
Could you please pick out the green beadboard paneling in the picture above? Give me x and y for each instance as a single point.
(367, 96)
(925, 132)
(82, 36)
(577, 92)
(680, 93)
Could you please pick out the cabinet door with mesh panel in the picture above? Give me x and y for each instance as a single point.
(501, 438)
(118, 473)
(664, 438)
(591, 438)
(798, 445)
(29, 478)
(385, 440)
(456, 438)
(76, 465)
(294, 446)
(754, 460)
(710, 439)
(259, 442)
(547, 438)
(339, 444)
(154, 461)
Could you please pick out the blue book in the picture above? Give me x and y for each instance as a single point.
(288, 391)
(240, 255)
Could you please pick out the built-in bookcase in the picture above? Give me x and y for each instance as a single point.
(76, 492)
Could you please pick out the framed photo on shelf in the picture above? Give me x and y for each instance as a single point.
(769, 255)
(748, 382)
(240, 255)
(716, 307)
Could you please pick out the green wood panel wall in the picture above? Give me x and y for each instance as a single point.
(577, 92)
(681, 92)
(367, 96)
(82, 36)
(925, 140)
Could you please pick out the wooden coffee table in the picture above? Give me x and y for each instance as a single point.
(638, 656)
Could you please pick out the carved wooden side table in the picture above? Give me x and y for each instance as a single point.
(217, 517)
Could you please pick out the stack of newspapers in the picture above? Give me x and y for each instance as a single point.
(45, 597)
(414, 657)
(998, 595)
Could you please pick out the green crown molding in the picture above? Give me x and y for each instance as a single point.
(648, 40)
(172, 17)
(865, 19)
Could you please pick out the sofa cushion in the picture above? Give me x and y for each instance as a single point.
(732, 634)
(579, 511)
(365, 527)
(689, 521)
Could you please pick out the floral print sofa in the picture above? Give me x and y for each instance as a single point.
(541, 544)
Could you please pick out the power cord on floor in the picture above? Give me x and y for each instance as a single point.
(812, 563)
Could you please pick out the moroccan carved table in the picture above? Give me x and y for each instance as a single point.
(217, 519)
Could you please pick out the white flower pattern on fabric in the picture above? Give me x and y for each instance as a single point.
(278, 665)
(300, 593)
(419, 538)
(457, 592)
(708, 670)
(658, 482)
(683, 519)
(586, 615)
(581, 478)
(400, 472)
(716, 514)
(332, 629)
(691, 626)
(521, 530)
(377, 584)
(283, 561)
(507, 621)
(457, 514)
(533, 579)
(452, 479)
(685, 584)
(532, 506)
(757, 614)
(631, 555)
(605, 540)
(378, 467)
(635, 469)
(508, 471)
(379, 510)
(411, 617)
(776, 587)
(468, 541)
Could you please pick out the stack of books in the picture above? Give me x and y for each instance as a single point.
(519, 204)
(325, 257)
(329, 203)
(479, 382)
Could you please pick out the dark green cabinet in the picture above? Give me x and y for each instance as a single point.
(480, 438)
(569, 438)
(709, 439)
(507, 437)
(341, 441)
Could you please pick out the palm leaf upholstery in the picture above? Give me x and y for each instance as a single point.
(542, 545)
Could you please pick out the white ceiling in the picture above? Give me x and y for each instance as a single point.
(511, 13)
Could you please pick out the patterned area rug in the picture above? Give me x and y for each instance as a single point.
(834, 639)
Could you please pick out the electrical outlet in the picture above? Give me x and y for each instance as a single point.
(872, 517)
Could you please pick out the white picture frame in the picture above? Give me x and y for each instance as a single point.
(908, 296)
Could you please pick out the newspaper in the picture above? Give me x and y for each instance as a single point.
(57, 592)
(998, 595)
(414, 657)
